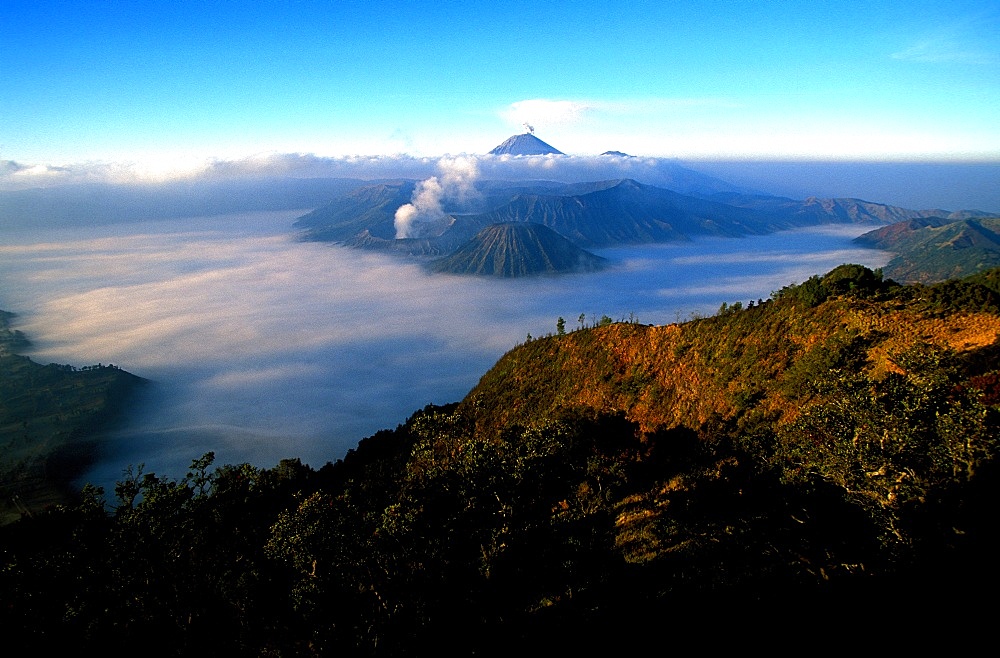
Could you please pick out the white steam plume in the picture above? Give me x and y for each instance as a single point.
(415, 219)
(424, 216)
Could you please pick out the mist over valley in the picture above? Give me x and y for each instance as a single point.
(262, 347)
(277, 317)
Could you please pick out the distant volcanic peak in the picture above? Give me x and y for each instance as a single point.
(618, 154)
(525, 144)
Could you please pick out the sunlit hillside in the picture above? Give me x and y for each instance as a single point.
(760, 359)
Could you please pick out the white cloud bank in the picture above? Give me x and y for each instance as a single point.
(964, 182)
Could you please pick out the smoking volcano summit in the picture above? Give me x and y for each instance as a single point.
(525, 144)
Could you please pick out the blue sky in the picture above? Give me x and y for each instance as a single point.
(171, 82)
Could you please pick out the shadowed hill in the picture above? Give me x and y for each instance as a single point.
(370, 209)
(608, 213)
(48, 417)
(628, 212)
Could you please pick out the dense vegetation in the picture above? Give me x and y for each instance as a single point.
(823, 462)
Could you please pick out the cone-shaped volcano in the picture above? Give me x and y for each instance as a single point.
(525, 144)
(518, 249)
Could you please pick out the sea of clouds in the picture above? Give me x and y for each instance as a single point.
(262, 347)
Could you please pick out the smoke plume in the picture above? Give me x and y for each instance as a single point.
(425, 215)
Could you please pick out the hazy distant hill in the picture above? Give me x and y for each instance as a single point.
(607, 212)
(515, 250)
(815, 210)
(935, 249)
(627, 212)
(12, 341)
(611, 212)
(896, 233)
(371, 209)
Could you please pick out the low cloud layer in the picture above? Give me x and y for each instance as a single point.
(570, 168)
(262, 347)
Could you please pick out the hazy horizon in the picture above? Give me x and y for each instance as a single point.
(111, 194)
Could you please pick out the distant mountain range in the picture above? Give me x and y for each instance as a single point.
(671, 203)
(823, 211)
(588, 215)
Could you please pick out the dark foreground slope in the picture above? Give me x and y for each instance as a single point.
(48, 416)
(816, 469)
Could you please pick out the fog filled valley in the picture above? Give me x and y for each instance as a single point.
(262, 347)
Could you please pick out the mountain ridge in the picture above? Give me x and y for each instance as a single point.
(663, 374)
(49, 415)
(603, 213)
